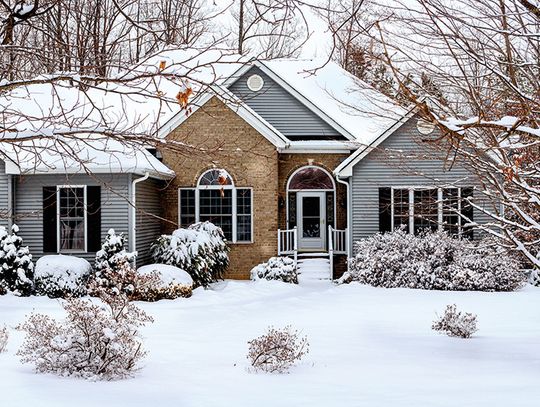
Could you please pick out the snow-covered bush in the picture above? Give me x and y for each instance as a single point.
(59, 276)
(454, 323)
(164, 282)
(112, 253)
(112, 267)
(276, 268)
(96, 341)
(4, 337)
(433, 261)
(201, 250)
(16, 267)
(534, 278)
(277, 350)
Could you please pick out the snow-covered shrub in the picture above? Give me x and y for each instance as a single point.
(276, 268)
(165, 282)
(534, 278)
(201, 250)
(16, 267)
(4, 337)
(433, 261)
(112, 253)
(112, 267)
(454, 323)
(59, 276)
(96, 341)
(277, 350)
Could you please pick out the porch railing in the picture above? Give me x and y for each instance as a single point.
(288, 242)
(338, 243)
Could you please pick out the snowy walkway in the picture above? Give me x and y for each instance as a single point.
(313, 270)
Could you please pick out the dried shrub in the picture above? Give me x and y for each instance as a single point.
(160, 281)
(4, 337)
(276, 268)
(454, 323)
(124, 279)
(277, 350)
(433, 261)
(95, 342)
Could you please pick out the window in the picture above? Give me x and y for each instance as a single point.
(217, 200)
(416, 209)
(71, 218)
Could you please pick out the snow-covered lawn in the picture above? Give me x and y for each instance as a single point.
(369, 347)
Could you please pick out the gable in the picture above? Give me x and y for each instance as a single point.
(408, 154)
(282, 110)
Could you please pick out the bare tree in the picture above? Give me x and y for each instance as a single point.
(483, 56)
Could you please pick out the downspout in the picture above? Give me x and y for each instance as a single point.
(349, 218)
(10, 202)
(133, 210)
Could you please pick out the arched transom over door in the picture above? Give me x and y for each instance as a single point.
(311, 196)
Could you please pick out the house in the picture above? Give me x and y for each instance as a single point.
(288, 157)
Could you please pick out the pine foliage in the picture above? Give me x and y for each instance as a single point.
(16, 267)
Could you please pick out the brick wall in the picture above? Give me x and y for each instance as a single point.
(229, 143)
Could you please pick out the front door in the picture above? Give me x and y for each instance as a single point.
(311, 214)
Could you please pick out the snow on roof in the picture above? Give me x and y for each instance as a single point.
(360, 110)
(81, 155)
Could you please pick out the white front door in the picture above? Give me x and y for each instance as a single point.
(311, 215)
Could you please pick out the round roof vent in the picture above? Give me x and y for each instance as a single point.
(255, 83)
(424, 126)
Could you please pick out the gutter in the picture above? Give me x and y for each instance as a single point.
(349, 218)
(133, 212)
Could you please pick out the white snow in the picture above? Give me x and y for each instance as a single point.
(368, 347)
(169, 275)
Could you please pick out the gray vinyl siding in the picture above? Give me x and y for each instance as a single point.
(282, 110)
(402, 160)
(4, 195)
(147, 226)
(29, 205)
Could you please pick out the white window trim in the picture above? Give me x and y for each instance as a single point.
(440, 209)
(85, 205)
(234, 207)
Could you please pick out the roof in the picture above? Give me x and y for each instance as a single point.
(354, 109)
(82, 155)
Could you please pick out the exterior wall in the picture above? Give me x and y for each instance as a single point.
(232, 144)
(4, 195)
(403, 159)
(289, 163)
(282, 110)
(148, 227)
(29, 205)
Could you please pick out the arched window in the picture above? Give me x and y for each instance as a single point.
(216, 178)
(217, 200)
(310, 178)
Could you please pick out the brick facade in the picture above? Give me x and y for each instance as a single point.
(250, 159)
(232, 144)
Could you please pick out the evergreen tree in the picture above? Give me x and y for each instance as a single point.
(113, 252)
(16, 267)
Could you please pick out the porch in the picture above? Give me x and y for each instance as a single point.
(335, 249)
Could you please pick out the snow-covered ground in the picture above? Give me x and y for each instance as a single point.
(369, 347)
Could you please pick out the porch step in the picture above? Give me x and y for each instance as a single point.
(313, 255)
(313, 269)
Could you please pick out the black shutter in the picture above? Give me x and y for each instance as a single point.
(49, 220)
(292, 210)
(467, 211)
(385, 210)
(93, 217)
